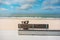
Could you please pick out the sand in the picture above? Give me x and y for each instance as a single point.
(11, 23)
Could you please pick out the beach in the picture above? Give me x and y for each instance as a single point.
(9, 28)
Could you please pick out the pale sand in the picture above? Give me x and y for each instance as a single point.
(12, 23)
(13, 35)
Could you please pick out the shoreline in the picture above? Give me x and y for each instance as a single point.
(32, 18)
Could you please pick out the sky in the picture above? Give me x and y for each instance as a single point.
(30, 6)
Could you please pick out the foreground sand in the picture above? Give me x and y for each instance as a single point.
(13, 35)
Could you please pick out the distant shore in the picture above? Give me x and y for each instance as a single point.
(35, 18)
